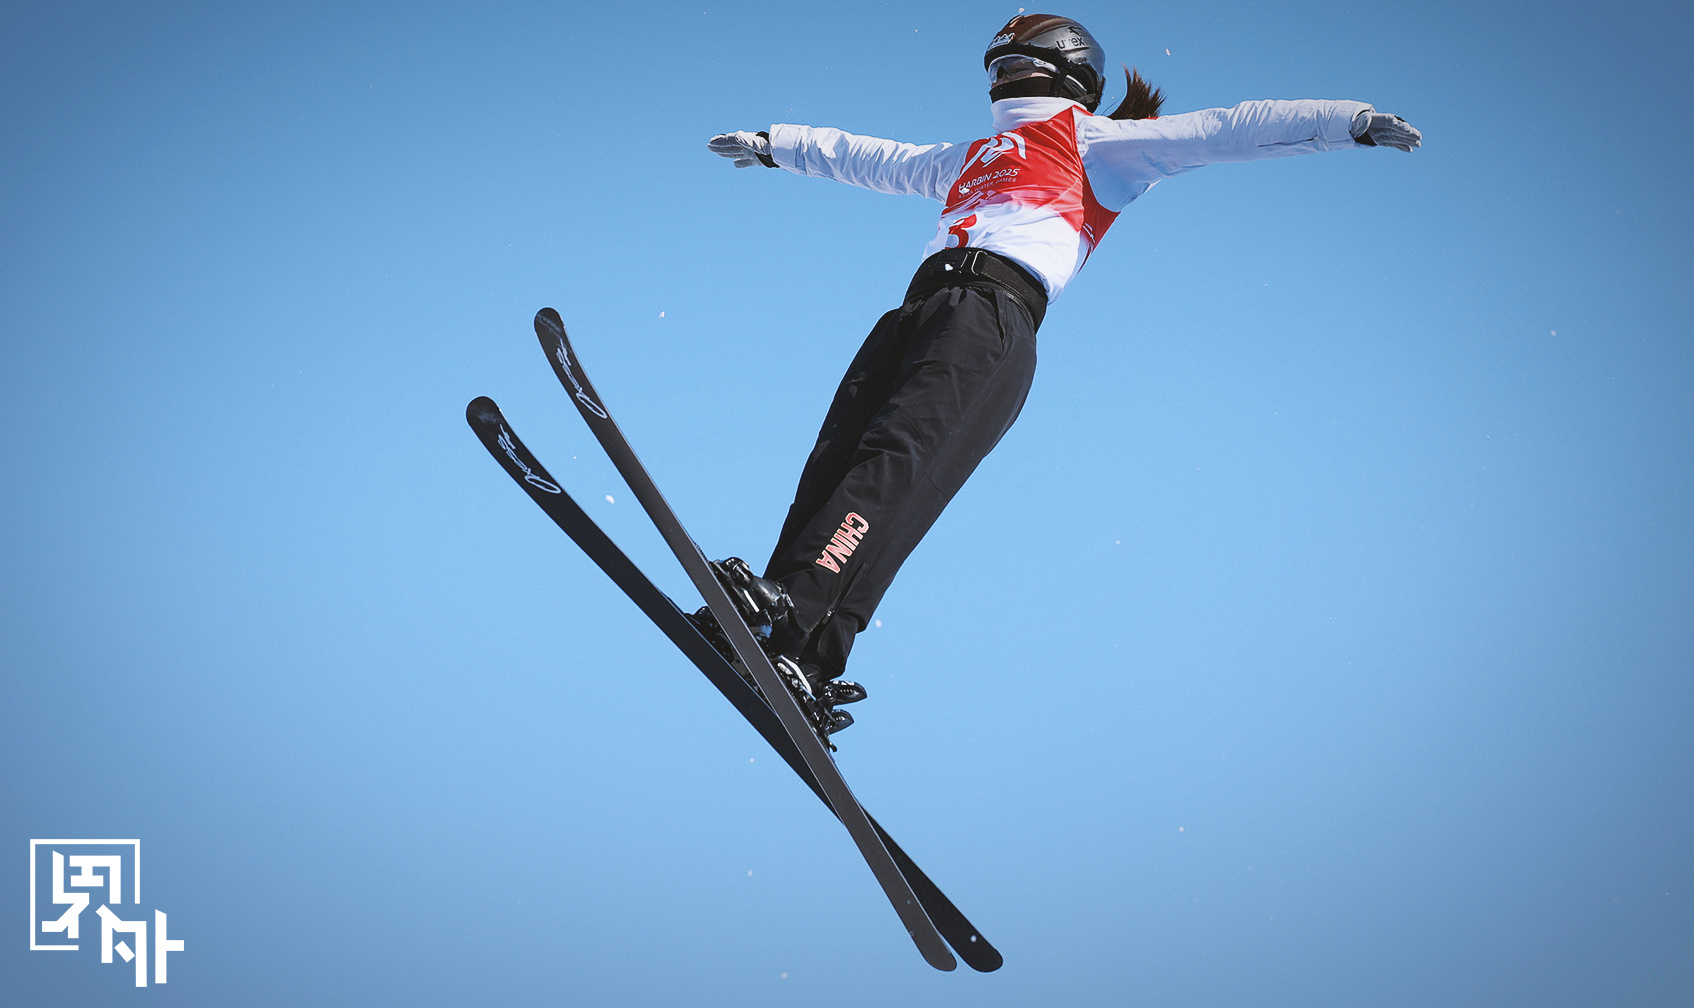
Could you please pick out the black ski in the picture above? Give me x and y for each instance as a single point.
(497, 436)
(550, 329)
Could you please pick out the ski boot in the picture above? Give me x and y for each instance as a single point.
(766, 608)
(764, 604)
(707, 624)
(818, 699)
(816, 702)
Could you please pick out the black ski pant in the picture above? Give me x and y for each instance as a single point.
(933, 389)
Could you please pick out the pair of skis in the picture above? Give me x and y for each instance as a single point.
(929, 916)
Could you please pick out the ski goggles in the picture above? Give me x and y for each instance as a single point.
(1016, 67)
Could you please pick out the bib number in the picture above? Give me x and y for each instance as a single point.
(961, 231)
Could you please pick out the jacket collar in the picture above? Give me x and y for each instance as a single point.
(1010, 113)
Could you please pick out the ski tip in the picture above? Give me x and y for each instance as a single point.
(481, 407)
(549, 319)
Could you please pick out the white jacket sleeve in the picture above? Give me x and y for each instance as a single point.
(1134, 153)
(881, 165)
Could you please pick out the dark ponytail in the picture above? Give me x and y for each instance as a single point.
(1142, 101)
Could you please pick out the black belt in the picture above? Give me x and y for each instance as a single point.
(962, 267)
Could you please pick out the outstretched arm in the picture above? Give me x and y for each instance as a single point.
(1150, 149)
(868, 162)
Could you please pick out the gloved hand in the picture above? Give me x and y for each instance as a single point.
(748, 149)
(1379, 129)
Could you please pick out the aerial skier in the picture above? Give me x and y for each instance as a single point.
(941, 378)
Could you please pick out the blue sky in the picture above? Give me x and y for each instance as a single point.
(1320, 635)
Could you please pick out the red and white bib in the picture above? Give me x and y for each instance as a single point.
(1025, 194)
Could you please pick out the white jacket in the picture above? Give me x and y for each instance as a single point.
(1043, 190)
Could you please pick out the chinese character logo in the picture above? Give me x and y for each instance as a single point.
(72, 874)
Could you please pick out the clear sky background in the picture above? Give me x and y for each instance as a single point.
(1320, 635)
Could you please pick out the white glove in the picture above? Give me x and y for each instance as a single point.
(1378, 129)
(747, 149)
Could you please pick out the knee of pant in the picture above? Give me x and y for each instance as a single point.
(896, 433)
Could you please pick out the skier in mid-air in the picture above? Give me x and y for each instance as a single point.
(941, 378)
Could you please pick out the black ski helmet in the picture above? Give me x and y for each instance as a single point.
(1045, 54)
